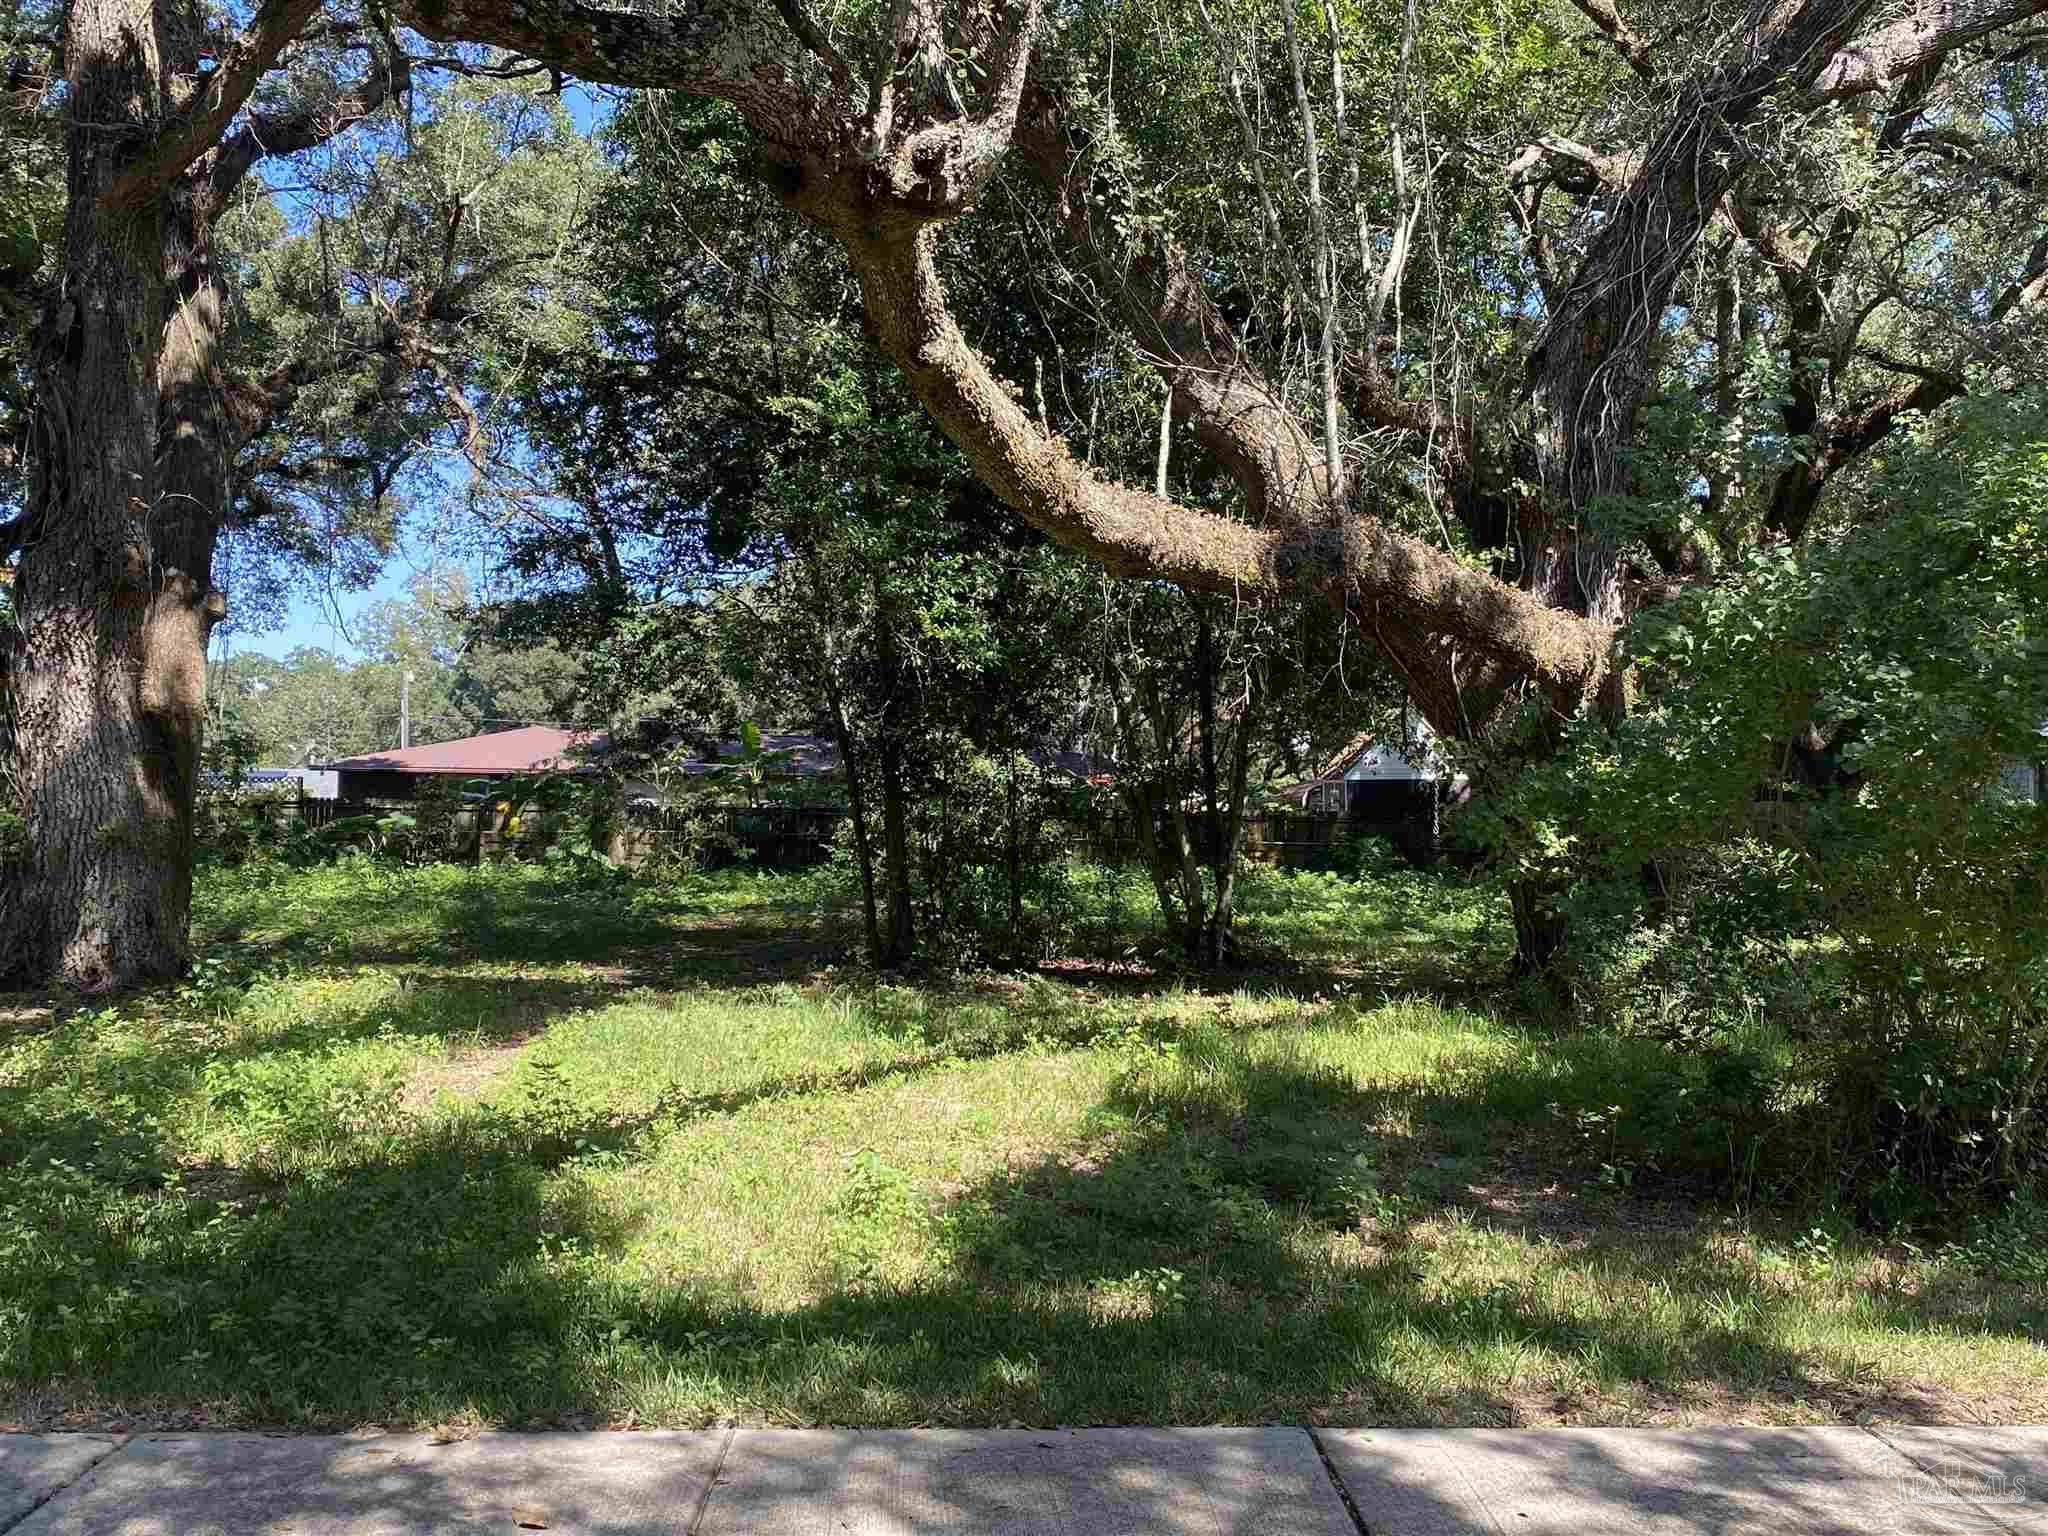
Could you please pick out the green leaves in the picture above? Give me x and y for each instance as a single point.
(1818, 746)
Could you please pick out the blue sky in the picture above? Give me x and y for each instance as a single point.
(330, 620)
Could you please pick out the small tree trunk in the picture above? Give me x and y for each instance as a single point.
(863, 841)
(1184, 856)
(1222, 942)
(1145, 828)
(1015, 854)
(1210, 936)
(899, 942)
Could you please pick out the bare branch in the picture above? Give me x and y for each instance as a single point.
(1892, 363)
(1325, 258)
(1634, 49)
(2030, 288)
(737, 53)
(1970, 153)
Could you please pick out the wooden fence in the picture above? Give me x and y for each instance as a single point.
(282, 816)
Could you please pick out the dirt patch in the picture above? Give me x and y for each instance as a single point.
(1564, 1210)
(1537, 1404)
(463, 1076)
(25, 1013)
(740, 948)
(226, 1183)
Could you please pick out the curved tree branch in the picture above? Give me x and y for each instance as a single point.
(197, 129)
(1393, 581)
(267, 134)
(1226, 403)
(1929, 29)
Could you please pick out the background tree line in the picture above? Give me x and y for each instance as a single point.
(312, 705)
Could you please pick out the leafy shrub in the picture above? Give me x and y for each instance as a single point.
(1359, 856)
(2011, 1242)
(1710, 1117)
(1883, 900)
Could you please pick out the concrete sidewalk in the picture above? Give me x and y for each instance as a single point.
(1100, 1482)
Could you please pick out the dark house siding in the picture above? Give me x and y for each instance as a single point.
(1383, 802)
(360, 784)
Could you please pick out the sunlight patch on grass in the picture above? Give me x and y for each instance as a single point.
(651, 1187)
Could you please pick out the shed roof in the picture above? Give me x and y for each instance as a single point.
(530, 749)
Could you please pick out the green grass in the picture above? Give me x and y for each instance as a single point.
(464, 1146)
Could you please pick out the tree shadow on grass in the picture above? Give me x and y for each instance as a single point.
(651, 935)
(1277, 978)
(642, 932)
(1179, 1272)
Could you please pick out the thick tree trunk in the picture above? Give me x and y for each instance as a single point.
(106, 662)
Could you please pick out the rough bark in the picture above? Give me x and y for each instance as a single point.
(1589, 372)
(112, 602)
(104, 674)
(1929, 30)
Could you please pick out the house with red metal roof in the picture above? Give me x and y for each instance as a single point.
(395, 775)
(536, 749)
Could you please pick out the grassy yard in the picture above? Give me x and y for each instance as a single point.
(450, 1147)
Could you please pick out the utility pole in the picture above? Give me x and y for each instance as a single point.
(405, 711)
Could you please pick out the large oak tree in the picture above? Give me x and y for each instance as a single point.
(882, 130)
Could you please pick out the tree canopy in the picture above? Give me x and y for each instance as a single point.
(1484, 330)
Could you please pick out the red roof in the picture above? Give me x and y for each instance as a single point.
(531, 749)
